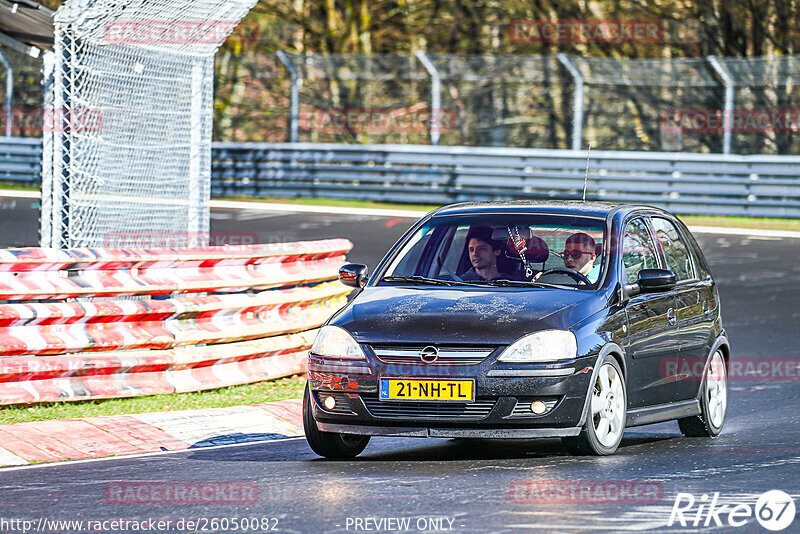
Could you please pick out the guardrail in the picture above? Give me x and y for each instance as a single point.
(257, 321)
(714, 184)
(21, 160)
(686, 183)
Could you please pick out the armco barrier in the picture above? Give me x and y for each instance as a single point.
(21, 160)
(686, 183)
(258, 321)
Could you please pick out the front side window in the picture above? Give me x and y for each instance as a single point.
(679, 261)
(638, 251)
(495, 249)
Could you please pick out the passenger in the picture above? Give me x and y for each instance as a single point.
(483, 253)
(579, 255)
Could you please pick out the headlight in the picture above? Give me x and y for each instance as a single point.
(335, 342)
(545, 346)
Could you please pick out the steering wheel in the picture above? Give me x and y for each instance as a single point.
(575, 275)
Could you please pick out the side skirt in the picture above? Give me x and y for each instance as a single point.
(662, 412)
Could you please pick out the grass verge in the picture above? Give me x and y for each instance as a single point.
(760, 223)
(16, 186)
(273, 390)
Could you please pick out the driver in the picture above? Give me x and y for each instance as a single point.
(483, 253)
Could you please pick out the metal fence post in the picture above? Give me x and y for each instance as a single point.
(294, 98)
(196, 178)
(9, 91)
(727, 79)
(577, 105)
(46, 217)
(62, 147)
(436, 96)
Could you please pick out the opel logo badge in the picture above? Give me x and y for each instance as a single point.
(429, 354)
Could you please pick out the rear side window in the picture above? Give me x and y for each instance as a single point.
(700, 261)
(679, 261)
(638, 251)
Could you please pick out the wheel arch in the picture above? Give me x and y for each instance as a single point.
(609, 350)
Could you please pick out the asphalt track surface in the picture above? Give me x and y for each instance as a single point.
(475, 483)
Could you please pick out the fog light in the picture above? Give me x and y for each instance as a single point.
(330, 403)
(538, 407)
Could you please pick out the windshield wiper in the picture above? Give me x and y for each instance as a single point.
(516, 283)
(423, 280)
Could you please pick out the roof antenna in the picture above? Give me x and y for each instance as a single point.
(586, 175)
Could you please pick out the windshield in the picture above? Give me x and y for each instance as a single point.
(510, 250)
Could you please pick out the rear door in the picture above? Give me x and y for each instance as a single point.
(652, 326)
(693, 302)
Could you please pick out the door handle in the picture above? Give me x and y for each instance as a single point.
(705, 307)
(671, 316)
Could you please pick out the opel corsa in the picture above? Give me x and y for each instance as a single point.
(523, 320)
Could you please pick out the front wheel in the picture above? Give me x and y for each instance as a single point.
(329, 444)
(605, 422)
(713, 405)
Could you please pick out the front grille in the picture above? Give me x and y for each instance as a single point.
(447, 355)
(342, 404)
(428, 410)
(523, 407)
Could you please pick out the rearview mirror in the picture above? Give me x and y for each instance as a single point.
(656, 279)
(353, 275)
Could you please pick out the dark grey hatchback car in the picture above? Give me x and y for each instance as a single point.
(523, 320)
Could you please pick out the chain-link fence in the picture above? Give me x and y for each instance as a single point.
(509, 101)
(539, 101)
(129, 89)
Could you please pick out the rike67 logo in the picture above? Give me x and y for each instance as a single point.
(774, 511)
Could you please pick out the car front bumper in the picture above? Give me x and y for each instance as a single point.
(501, 409)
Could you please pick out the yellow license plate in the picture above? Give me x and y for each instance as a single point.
(427, 389)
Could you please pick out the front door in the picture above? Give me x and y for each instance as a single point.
(652, 325)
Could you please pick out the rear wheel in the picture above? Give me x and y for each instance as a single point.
(329, 444)
(713, 405)
(605, 422)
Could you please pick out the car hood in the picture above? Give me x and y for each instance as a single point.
(462, 315)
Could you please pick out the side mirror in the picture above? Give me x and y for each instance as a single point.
(353, 275)
(656, 279)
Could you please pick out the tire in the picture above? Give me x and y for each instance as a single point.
(605, 421)
(713, 404)
(329, 444)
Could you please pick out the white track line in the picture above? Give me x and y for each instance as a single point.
(414, 214)
(19, 194)
(298, 208)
